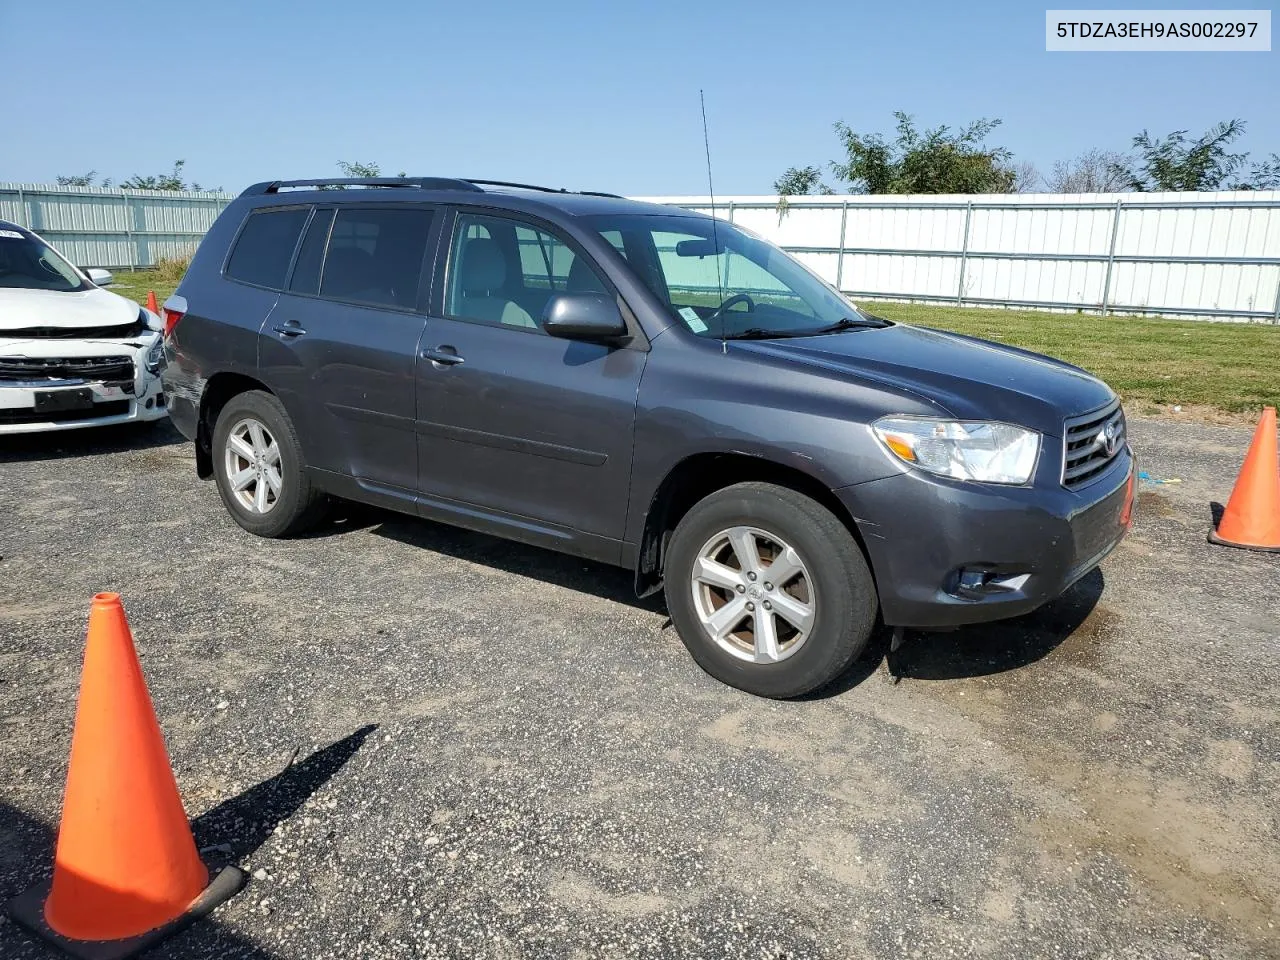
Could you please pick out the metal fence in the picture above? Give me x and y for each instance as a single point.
(1201, 255)
(108, 227)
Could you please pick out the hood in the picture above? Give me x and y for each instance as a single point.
(972, 379)
(21, 309)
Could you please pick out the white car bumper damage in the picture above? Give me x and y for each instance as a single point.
(64, 384)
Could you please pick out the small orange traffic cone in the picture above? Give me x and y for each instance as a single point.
(1252, 517)
(151, 302)
(126, 873)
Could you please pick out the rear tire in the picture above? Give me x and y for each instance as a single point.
(773, 639)
(259, 468)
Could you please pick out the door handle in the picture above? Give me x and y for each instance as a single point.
(445, 355)
(290, 329)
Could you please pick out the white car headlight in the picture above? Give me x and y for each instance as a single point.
(155, 357)
(965, 450)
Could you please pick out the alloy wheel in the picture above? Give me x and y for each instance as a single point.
(254, 472)
(753, 594)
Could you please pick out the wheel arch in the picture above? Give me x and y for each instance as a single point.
(701, 475)
(218, 391)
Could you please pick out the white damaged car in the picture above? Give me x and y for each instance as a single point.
(71, 354)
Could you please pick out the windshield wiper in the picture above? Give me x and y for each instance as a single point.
(758, 333)
(849, 324)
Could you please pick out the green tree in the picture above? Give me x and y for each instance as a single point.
(925, 161)
(83, 180)
(1266, 175)
(359, 170)
(356, 169)
(163, 181)
(1177, 162)
(800, 181)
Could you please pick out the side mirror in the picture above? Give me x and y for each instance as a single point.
(99, 277)
(583, 316)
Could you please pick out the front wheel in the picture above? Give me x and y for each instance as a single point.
(769, 590)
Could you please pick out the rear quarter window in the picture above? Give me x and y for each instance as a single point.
(264, 249)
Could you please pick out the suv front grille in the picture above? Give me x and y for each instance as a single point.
(35, 370)
(1090, 443)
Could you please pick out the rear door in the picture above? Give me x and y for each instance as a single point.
(341, 343)
(510, 419)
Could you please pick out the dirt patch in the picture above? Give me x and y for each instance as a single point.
(1191, 413)
(1083, 647)
(1188, 854)
(1153, 504)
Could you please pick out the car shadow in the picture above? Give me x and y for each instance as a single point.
(973, 651)
(87, 442)
(983, 649)
(558, 569)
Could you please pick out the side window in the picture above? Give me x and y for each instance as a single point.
(503, 271)
(375, 255)
(615, 240)
(306, 272)
(265, 247)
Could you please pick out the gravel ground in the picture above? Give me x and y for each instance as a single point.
(427, 743)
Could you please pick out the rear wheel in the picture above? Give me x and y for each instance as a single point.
(259, 469)
(768, 590)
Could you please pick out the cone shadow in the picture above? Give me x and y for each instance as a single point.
(229, 832)
(237, 827)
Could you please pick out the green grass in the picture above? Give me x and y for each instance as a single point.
(1232, 367)
(1229, 367)
(135, 285)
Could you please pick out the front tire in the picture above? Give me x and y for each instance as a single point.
(769, 590)
(259, 469)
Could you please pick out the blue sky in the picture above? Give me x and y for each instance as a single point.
(593, 95)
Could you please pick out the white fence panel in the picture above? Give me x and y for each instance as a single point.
(1210, 255)
(1203, 255)
(108, 227)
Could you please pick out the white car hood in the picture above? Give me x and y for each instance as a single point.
(21, 309)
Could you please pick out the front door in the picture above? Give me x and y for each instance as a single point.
(512, 420)
(340, 346)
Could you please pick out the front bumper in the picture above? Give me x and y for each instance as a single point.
(932, 542)
(114, 401)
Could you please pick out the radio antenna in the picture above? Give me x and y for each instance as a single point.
(715, 234)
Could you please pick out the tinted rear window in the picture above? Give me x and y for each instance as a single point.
(375, 255)
(265, 247)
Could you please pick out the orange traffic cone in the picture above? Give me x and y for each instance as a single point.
(126, 873)
(151, 302)
(1252, 517)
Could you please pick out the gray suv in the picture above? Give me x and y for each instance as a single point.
(646, 387)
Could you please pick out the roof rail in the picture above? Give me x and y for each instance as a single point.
(534, 186)
(419, 183)
(518, 186)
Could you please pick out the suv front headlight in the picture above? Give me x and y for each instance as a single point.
(963, 449)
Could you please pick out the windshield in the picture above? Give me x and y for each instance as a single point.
(730, 284)
(31, 264)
